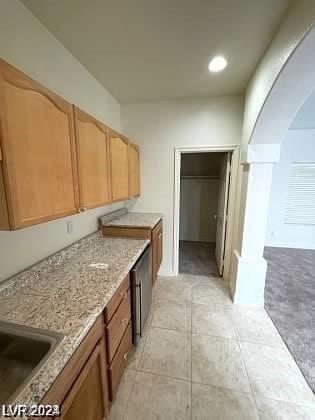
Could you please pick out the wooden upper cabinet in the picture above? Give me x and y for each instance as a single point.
(93, 160)
(118, 146)
(134, 170)
(38, 178)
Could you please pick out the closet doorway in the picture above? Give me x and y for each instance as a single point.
(205, 187)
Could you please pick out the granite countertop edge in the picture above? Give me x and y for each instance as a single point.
(134, 219)
(124, 254)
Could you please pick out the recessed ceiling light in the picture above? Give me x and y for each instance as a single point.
(218, 63)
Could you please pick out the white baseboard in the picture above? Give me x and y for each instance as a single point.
(166, 273)
(247, 282)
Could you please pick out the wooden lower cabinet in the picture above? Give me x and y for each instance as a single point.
(155, 236)
(81, 389)
(117, 298)
(91, 378)
(157, 249)
(119, 363)
(87, 398)
(118, 335)
(117, 326)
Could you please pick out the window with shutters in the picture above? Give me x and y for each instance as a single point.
(300, 207)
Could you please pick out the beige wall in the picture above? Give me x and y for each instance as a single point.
(198, 205)
(297, 22)
(159, 128)
(199, 197)
(262, 122)
(26, 44)
(298, 146)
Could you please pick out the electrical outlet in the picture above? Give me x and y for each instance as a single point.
(69, 226)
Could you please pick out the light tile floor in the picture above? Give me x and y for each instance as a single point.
(203, 358)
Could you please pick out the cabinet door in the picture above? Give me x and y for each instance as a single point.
(160, 248)
(93, 160)
(157, 249)
(88, 397)
(39, 158)
(134, 170)
(154, 259)
(118, 147)
(119, 363)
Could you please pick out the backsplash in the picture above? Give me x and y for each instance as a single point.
(112, 215)
(25, 247)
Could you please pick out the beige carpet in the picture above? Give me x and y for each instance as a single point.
(197, 258)
(290, 302)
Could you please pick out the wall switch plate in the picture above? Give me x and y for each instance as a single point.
(69, 226)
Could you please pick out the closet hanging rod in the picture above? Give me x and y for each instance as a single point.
(199, 177)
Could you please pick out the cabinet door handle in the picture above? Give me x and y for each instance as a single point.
(126, 356)
(124, 322)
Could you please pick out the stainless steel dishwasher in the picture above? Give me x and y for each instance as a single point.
(141, 294)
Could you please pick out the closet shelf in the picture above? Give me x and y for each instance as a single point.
(199, 177)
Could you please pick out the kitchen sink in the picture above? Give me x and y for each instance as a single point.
(23, 350)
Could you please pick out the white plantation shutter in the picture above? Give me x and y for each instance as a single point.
(301, 194)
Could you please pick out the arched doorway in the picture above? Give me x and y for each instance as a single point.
(293, 85)
(295, 82)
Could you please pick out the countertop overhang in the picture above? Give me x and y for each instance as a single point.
(132, 220)
(65, 294)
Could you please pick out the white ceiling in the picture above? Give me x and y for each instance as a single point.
(146, 50)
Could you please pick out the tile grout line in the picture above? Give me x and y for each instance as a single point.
(136, 368)
(127, 403)
(281, 345)
(208, 385)
(236, 338)
(224, 388)
(149, 326)
(278, 346)
(186, 380)
(246, 370)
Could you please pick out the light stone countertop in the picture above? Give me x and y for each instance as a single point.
(131, 219)
(65, 295)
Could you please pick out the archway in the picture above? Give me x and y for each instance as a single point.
(294, 84)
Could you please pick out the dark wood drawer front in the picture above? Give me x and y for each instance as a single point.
(125, 232)
(119, 363)
(117, 326)
(116, 299)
